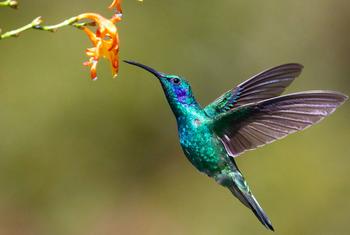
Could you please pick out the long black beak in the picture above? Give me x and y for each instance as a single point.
(145, 67)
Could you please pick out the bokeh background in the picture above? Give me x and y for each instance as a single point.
(83, 158)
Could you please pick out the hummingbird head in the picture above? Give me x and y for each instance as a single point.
(177, 90)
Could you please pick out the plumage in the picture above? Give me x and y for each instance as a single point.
(254, 125)
(264, 85)
(244, 118)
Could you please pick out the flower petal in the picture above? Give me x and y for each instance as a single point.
(116, 4)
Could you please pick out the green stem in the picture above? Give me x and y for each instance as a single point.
(9, 3)
(36, 24)
(14, 33)
(53, 28)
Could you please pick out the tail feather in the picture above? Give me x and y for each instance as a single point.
(240, 189)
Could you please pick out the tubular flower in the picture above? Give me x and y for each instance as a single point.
(105, 42)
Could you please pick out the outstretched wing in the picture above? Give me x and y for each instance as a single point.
(254, 125)
(265, 85)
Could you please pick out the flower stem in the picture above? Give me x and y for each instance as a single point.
(36, 24)
(9, 3)
(15, 33)
(53, 28)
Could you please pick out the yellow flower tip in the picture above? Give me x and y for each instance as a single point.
(13, 4)
(37, 21)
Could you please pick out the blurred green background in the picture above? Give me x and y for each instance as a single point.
(83, 158)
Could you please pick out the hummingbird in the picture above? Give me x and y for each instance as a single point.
(250, 115)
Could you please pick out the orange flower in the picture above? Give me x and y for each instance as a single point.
(105, 42)
(116, 4)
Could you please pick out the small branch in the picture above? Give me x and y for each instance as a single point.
(9, 3)
(53, 28)
(36, 24)
(15, 33)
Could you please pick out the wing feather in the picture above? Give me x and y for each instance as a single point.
(265, 85)
(257, 124)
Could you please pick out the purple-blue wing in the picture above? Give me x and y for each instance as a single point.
(265, 85)
(254, 125)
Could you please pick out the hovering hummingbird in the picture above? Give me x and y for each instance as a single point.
(249, 116)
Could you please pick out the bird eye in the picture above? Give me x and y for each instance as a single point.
(175, 81)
